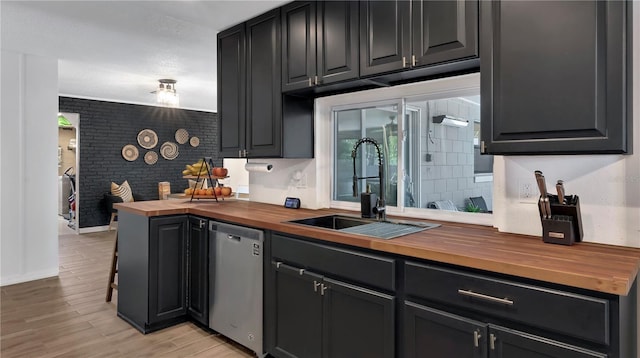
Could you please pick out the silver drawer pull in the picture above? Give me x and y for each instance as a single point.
(505, 300)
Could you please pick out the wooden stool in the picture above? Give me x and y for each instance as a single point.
(114, 215)
(114, 269)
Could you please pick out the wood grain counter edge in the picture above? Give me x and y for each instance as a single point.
(598, 267)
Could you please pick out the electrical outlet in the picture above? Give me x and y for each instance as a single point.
(526, 190)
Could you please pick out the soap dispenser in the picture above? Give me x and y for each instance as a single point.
(367, 203)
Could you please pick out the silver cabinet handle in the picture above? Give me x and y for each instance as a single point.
(316, 284)
(315, 80)
(404, 62)
(492, 341)
(278, 264)
(323, 288)
(413, 60)
(476, 338)
(202, 224)
(310, 82)
(504, 301)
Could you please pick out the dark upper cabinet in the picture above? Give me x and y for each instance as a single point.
(264, 96)
(231, 91)
(255, 119)
(403, 35)
(385, 42)
(198, 266)
(319, 43)
(298, 45)
(555, 77)
(443, 31)
(249, 95)
(167, 268)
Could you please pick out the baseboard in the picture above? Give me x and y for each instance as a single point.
(32, 276)
(88, 230)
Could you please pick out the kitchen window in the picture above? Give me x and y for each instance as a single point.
(430, 145)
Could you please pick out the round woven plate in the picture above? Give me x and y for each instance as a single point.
(130, 152)
(151, 157)
(147, 138)
(169, 150)
(182, 136)
(194, 141)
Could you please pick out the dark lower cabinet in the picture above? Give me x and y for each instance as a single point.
(437, 334)
(152, 270)
(508, 343)
(556, 77)
(316, 316)
(358, 322)
(434, 333)
(198, 266)
(167, 268)
(298, 306)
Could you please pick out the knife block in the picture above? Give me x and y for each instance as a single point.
(565, 225)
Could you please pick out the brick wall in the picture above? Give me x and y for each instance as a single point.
(105, 127)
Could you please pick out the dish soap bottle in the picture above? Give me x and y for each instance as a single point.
(367, 203)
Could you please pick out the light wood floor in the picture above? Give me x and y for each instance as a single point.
(67, 316)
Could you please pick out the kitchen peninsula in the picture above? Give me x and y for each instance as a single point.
(506, 291)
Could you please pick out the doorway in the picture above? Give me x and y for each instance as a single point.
(68, 124)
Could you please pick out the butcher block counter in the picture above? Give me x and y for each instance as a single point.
(597, 267)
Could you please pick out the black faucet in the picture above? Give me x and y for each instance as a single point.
(379, 209)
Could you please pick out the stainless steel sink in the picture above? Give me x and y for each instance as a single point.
(387, 229)
(335, 222)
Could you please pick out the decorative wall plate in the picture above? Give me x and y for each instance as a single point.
(194, 141)
(169, 150)
(147, 138)
(151, 157)
(130, 152)
(182, 136)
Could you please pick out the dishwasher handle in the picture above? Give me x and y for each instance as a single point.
(233, 237)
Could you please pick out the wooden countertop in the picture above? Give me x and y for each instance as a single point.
(598, 267)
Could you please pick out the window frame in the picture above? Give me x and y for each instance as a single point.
(464, 85)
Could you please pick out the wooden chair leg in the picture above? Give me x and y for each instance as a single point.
(113, 219)
(114, 269)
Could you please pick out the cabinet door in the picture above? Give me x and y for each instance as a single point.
(198, 265)
(443, 31)
(553, 77)
(298, 316)
(231, 91)
(357, 322)
(167, 267)
(506, 343)
(298, 45)
(338, 44)
(384, 36)
(264, 93)
(438, 334)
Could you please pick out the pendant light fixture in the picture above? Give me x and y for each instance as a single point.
(166, 94)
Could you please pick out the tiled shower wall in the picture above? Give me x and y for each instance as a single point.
(446, 169)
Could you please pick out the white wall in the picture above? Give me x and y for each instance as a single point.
(28, 178)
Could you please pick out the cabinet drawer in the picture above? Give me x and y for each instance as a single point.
(372, 270)
(572, 314)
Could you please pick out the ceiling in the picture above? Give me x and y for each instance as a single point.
(117, 50)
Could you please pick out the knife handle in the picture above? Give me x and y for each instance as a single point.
(560, 190)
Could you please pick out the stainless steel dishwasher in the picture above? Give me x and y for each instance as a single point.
(235, 296)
